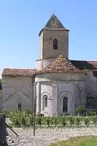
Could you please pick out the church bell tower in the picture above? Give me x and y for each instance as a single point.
(53, 39)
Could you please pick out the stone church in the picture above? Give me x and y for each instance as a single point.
(58, 85)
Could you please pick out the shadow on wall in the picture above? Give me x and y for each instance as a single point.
(0, 100)
(3, 131)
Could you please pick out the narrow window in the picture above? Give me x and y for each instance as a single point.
(45, 101)
(65, 104)
(20, 107)
(55, 44)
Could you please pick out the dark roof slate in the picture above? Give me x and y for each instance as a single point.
(90, 65)
(54, 22)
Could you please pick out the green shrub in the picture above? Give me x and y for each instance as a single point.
(16, 123)
(78, 121)
(81, 110)
(23, 121)
(63, 121)
(71, 120)
(86, 122)
(54, 121)
(27, 119)
(7, 114)
(22, 118)
(28, 111)
(31, 120)
(48, 121)
(91, 113)
(94, 120)
(39, 121)
(15, 117)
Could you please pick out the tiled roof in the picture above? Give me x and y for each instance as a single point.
(18, 72)
(91, 65)
(94, 63)
(60, 65)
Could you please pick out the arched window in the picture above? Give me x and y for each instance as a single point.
(55, 44)
(45, 101)
(65, 104)
(19, 106)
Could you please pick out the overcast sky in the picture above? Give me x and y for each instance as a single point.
(21, 21)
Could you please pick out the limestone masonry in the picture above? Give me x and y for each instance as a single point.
(59, 84)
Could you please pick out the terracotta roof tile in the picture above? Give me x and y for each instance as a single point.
(60, 65)
(94, 63)
(18, 72)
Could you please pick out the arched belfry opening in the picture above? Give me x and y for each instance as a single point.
(55, 44)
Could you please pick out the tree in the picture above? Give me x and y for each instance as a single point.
(80, 110)
(0, 84)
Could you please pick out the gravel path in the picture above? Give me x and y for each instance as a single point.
(45, 136)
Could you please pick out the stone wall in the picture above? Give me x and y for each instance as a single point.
(43, 63)
(60, 76)
(46, 44)
(56, 86)
(17, 90)
(91, 81)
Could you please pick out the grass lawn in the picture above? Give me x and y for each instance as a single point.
(78, 141)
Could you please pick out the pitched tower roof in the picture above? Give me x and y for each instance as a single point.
(53, 24)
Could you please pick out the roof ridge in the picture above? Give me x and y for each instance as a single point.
(17, 68)
(61, 64)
